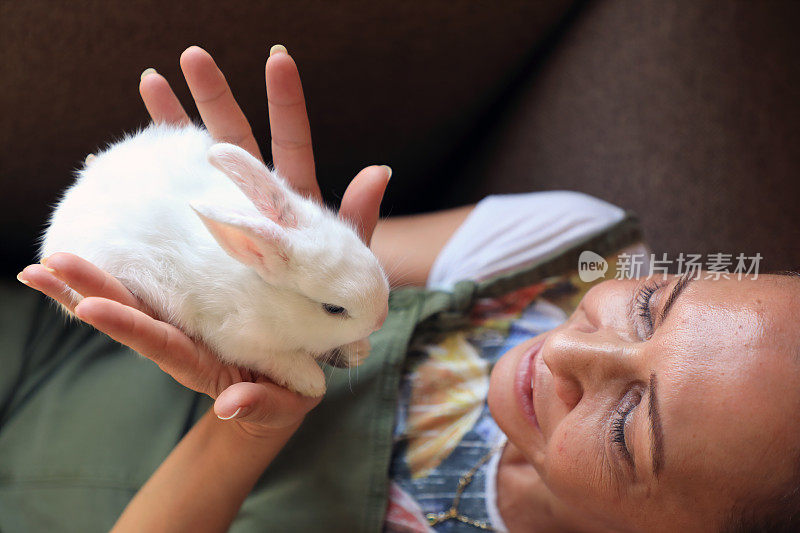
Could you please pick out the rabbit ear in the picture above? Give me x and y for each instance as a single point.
(255, 180)
(256, 242)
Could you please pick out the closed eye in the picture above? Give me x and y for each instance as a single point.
(643, 308)
(644, 299)
(620, 421)
(332, 309)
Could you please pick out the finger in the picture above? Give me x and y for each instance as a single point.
(159, 99)
(263, 403)
(361, 202)
(39, 278)
(292, 153)
(221, 114)
(162, 343)
(88, 280)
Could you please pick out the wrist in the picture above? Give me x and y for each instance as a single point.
(255, 445)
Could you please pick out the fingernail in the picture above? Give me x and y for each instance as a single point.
(89, 159)
(389, 170)
(23, 280)
(147, 72)
(277, 48)
(229, 417)
(43, 261)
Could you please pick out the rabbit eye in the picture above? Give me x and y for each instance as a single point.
(334, 309)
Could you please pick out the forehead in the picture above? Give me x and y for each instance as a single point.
(741, 314)
(729, 378)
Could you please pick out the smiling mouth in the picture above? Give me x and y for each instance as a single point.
(525, 379)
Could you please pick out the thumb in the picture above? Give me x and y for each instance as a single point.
(361, 202)
(264, 404)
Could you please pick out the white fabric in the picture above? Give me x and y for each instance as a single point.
(495, 520)
(505, 232)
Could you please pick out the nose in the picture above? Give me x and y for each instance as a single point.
(581, 360)
(382, 318)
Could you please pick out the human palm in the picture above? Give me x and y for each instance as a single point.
(257, 404)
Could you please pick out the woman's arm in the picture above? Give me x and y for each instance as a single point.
(203, 482)
(407, 246)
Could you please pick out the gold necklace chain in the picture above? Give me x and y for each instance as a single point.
(452, 513)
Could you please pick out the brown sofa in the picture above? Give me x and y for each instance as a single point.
(684, 111)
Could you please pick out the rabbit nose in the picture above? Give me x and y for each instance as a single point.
(382, 318)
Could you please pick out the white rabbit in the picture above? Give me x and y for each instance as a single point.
(219, 246)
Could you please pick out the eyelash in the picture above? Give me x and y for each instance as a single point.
(618, 431)
(626, 407)
(643, 304)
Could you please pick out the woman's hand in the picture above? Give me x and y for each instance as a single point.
(259, 406)
(292, 152)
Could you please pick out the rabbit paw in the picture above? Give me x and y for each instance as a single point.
(298, 372)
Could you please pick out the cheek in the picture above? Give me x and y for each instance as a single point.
(566, 460)
(576, 467)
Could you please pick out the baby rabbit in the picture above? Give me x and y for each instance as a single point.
(218, 245)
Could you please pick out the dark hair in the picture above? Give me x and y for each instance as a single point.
(780, 514)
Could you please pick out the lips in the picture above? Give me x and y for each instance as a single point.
(524, 380)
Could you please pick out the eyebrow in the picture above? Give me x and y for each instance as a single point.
(676, 291)
(657, 432)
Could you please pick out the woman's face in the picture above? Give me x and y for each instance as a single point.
(659, 404)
